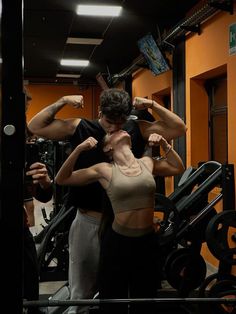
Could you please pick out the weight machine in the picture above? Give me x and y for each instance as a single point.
(189, 220)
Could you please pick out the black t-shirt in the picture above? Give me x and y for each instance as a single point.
(93, 196)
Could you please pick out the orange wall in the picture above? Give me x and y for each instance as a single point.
(146, 84)
(44, 95)
(207, 56)
(198, 119)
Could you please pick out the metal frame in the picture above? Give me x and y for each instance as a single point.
(12, 152)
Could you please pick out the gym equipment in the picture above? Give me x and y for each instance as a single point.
(168, 224)
(185, 269)
(217, 236)
(203, 291)
(186, 175)
(194, 211)
(61, 294)
(190, 200)
(218, 286)
(52, 241)
(53, 250)
(49, 303)
(223, 289)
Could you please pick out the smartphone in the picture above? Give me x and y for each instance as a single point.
(31, 156)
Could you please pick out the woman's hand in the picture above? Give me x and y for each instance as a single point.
(88, 144)
(157, 139)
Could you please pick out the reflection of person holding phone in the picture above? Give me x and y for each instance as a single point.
(37, 184)
(40, 188)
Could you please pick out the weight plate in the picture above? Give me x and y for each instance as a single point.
(186, 271)
(221, 289)
(217, 236)
(204, 288)
(172, 256)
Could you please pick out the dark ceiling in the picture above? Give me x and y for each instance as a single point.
(48, 24)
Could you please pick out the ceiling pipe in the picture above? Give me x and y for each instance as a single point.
(185, 26)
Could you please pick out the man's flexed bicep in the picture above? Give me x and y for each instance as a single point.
(160, 127)
(57, 130)
(46, 125)
(170, 125)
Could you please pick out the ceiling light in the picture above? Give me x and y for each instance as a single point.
(69, 75)
(84, 41)
(77, 63)
(98, 10)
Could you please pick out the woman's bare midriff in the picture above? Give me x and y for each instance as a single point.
(138, 218)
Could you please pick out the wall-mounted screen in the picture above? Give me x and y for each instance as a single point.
(152, 54)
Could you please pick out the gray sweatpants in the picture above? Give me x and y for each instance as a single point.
(84, 250)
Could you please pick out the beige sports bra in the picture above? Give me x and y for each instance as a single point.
(131, 192)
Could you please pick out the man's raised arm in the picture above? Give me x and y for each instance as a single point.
(170, 125)
(45, 125)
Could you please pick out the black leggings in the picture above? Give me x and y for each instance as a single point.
(128, 269)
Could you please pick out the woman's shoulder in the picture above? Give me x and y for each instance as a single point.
(147, 161)
(102, 166)
(104, 171)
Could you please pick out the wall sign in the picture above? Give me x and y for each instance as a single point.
(232, 39)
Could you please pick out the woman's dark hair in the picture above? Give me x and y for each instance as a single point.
(115, 104)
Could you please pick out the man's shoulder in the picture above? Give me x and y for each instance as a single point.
(131, 125)
(87, 128)
(90, 126)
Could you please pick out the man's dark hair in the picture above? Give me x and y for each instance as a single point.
(115, 104)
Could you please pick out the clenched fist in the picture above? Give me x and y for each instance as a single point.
(140, 103)
(77, 101)
(88, 144)
(156, 140)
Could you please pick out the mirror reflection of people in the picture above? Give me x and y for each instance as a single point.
(114, 110)
(41, 189)
(37, 184)
(129, 250)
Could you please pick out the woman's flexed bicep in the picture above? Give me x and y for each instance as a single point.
(66, 172)
(81, 177)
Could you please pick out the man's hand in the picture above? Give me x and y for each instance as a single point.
(77, 101)
(140, 103)
(39, 174)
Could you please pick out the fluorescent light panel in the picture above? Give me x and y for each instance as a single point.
(69, 75)
(76, 63)
(84, 41)
(98, 10)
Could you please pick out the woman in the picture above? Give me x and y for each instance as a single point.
(128, 260)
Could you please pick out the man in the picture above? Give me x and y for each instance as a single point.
(115, 107)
